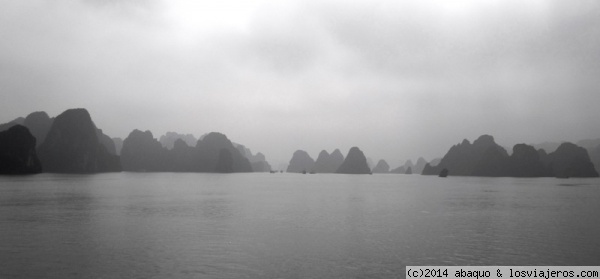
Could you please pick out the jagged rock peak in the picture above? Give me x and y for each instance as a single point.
(525, 162)
(142, 152)
(210, 148)
(38, 116)
(301, 162)
(39, 124)
(484, 140)
(141, 134)
(328, 163)
(570, 160)
(482, 158)
(323, 154)
(168, 140)
(216, 139)
(72, 146)
(337, 153)
(355, 163)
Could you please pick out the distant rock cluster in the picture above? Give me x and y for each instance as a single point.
(410, 168)
(483, 157)
(168, 140)
(329, 163)
(354, 163)
(71, 143)
(591, 145)
(486, 158)
(257, 161)
(213, 153)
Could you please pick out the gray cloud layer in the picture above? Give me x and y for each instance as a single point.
(400, 79)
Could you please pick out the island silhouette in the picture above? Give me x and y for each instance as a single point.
(71, 143)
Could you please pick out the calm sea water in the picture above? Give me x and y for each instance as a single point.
(170, 225)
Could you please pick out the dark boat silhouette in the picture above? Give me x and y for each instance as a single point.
(443, 173)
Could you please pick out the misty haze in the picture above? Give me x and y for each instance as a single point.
(296, 139)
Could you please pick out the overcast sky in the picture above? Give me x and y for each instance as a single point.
(399, 79)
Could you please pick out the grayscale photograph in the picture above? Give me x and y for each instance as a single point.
(298, 138)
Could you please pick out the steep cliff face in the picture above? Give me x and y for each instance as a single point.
(17, 152)
(118, 142)
(209, 151)
(213, 153)
(485, 158)
(72, 146)
(106, 141)
(181, 158)
(525, 162)
(419, 166)
(39, 124)
(466, 159)
(570, 160)
(493, 163)
(328, 163)
(595, 157)
(258, 162)
(336, 158)
(322, 162)
(355, 163)
(301, 162)
(142, 152)
(224, 162)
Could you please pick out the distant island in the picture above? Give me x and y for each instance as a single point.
(354, 163)
(71, 143)
(484, 157)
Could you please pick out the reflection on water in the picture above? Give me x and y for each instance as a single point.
(145, 225)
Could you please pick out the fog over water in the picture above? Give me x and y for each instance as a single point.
(399, 79)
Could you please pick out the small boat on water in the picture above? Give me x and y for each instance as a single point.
(443, 173)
